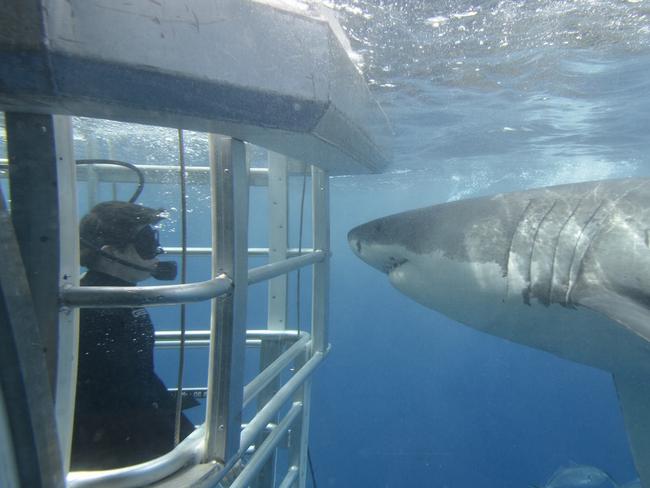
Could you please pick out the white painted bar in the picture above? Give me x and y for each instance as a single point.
(68, 343)
(252, 251)
(135, 296)
(189, 451)
(273, 370)
(283, 396)
(267, 448)
(321, 240)
(228, 318)
(290, 478)
(268, 271)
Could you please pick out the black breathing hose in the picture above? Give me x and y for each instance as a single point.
(114, 162)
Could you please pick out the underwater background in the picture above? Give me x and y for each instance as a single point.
(483, 97)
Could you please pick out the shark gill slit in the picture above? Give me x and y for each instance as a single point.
(613, 202)
(512, 240)
(557, 243)
(567, 299)
(529, 288)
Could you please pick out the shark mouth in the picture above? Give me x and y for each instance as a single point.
(393, 264)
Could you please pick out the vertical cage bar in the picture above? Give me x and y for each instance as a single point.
(228, 328)
(68, 275)
(299, 437)
(278, 201)
(320, 308)
(278, 189)
(35, 215)
(321, 240)
(23, 371)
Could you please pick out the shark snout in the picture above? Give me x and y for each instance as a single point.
(364, 243)
(355, 241)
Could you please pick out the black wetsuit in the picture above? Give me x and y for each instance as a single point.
(124, 414)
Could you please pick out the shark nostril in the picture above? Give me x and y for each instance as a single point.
(358, 245)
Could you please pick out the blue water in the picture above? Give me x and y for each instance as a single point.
(483, 97)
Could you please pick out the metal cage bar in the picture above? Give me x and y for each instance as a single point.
(68, 323)
(266, 450)
(187, 452)
(26, 392)
(135, 296)
(32, 150)
(155, 173)
(223, 433)
(319, 313)
(278, 214)
(228, 327)
(252, 251)
(278, 201)
(321, 275)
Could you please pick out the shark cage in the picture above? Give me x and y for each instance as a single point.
(248, 73)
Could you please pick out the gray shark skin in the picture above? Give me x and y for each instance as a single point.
(565, 269)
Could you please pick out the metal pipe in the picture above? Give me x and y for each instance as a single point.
(273, 335)
(272, 270)
(266, 448)
(290, 478)
(155, 173)
(266, 414)
(273, 370)
(259, 422)
(163, 336)
(189, 451)
(160, 173)
(135, 296)
(252, 251)
(188, 343)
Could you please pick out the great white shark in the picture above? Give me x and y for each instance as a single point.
(565, 269)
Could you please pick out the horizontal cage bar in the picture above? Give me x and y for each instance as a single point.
(134, 296)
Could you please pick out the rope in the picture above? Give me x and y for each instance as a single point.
(311, 469)
(302, 215)
(181, 358)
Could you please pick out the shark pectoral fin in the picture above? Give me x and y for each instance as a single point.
(634, 398)
(619, 308)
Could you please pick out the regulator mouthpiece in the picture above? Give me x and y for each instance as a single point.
(165, 271)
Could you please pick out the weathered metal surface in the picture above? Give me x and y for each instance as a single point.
(278, 78)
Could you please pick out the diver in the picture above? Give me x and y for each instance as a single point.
(124, 414)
